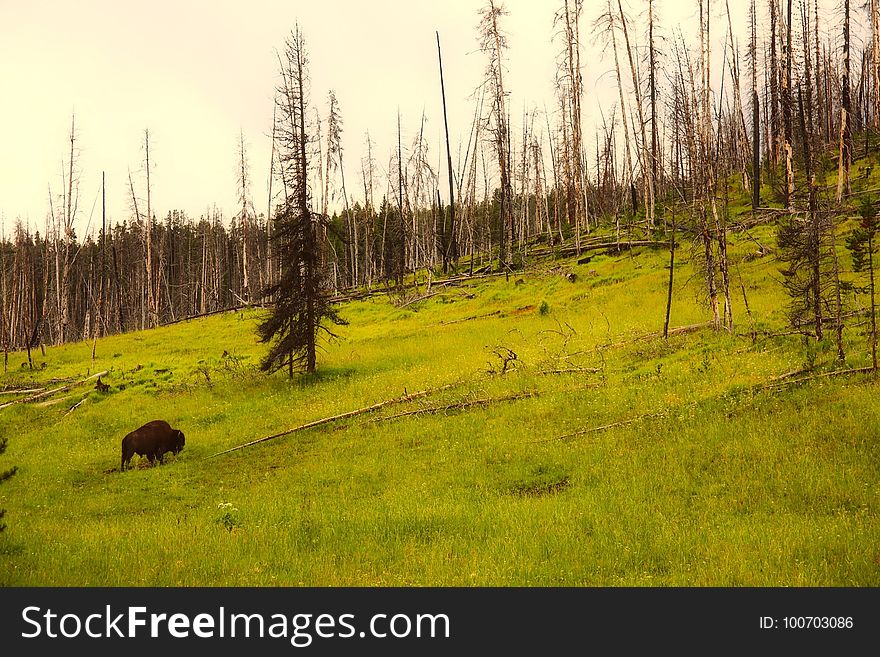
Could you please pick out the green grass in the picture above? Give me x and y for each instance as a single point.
(725, 484)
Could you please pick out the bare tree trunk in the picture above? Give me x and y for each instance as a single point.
(843, 185)
(401, 254)
(450, 245)
(652, 83)
(774, 147)
(152, 295)
(786, 110)
(875, 64)
(630, 173)
(671, 276)
(492, 44)
(244, 180)
(646, 170)
(756, 127)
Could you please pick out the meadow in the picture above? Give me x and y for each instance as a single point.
(561, 441)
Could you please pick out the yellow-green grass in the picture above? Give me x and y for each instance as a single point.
(707, 478)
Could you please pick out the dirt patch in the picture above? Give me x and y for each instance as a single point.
(540, 488)
(524, 310)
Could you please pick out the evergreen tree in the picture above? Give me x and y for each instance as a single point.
(3, 477)
(861, 244)
(302, 308)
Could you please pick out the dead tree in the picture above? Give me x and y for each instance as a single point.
(756, 114)
(493, 43)
(570, 83)
(449, 242)
(244, 201)
(152, 295)
(787, 133)
(606, 24)
(845, 148)
(637, 95)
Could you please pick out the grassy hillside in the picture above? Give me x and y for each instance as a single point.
(604, 455)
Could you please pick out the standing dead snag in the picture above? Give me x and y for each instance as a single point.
(450, 245)
(494, 43)
(570, 89)
(244, 184)
(301, 308)
(607, 24)
(152, 296)
(671, 277)
(756, 113)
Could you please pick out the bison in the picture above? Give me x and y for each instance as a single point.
(152, 440)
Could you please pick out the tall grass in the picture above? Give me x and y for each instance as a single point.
(706, 478)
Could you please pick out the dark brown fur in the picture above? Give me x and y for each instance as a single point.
(152, 440)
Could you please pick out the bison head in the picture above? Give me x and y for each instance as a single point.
(179, 441)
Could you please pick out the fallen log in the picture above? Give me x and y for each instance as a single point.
(582, 432)
(76, 406)
(456, 406)
(678, 330)
(333, 418)
(467, 319)
(791, 382)
(210, 313)
(417, 299)
(21, 391)
(618, 246)
(48, 393)
(572, 370)
(788, 375)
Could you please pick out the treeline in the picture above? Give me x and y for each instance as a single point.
(54, 292)
(778, 129)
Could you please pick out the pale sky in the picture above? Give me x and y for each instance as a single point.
(197, 72)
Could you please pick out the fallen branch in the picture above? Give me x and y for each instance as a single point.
(571, 370)
(582, 432)
(455, 280)
(334, 418)
(457, 406)
(48, 393)
(210, 313)
(76, 406)
(417, 299)
(467, 319)
(789, 374)
(23, 391)
(53, 402)
(615, 246)
(781, 384)
(678, 330)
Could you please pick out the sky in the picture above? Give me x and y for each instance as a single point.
(198, 74)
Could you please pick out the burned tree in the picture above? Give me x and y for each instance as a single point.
(570, 89)
(494, 43)
(449, 243)
(301, 309)
(244, 184)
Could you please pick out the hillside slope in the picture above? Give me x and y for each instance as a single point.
(561, 441)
